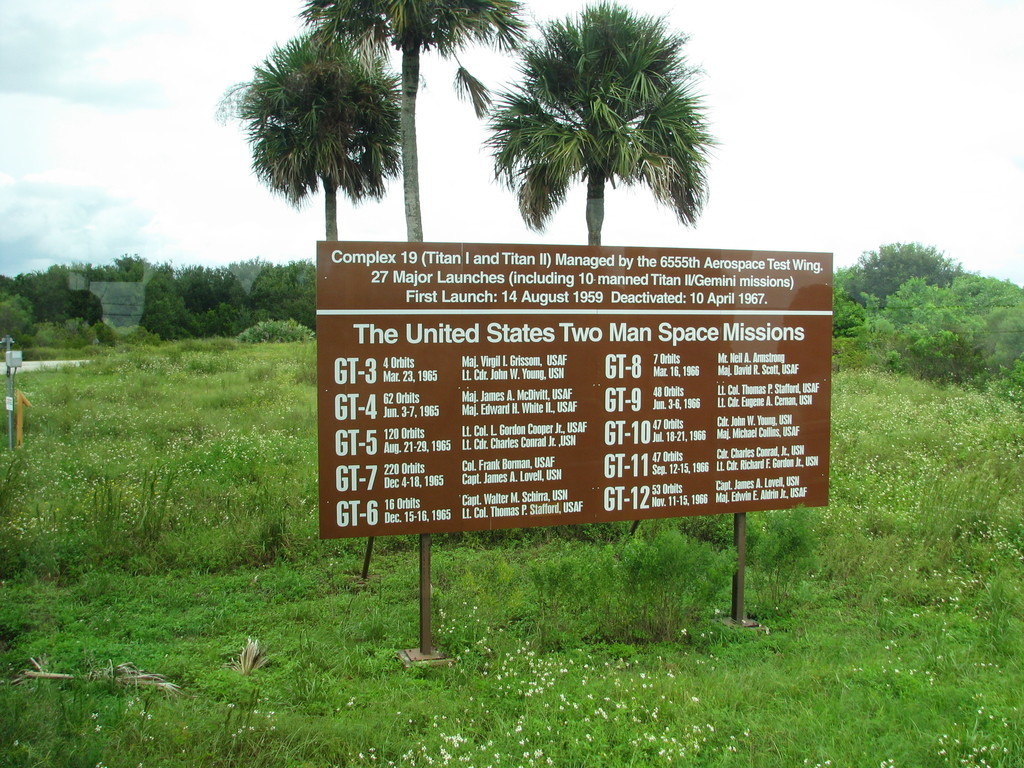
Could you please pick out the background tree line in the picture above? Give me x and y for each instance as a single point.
(906, 308)
(910, 309)
(74, 306)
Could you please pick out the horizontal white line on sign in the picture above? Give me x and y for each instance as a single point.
(723, 312)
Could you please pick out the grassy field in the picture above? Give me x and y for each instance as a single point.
(163, 512)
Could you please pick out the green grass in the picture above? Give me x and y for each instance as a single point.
(163, 512)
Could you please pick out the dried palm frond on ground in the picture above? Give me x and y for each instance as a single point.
(122, 674)
(129, 674)
(252, 657)
(39, 672)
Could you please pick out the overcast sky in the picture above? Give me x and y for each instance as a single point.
(841, 126)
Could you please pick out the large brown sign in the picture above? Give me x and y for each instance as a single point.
(474, 386)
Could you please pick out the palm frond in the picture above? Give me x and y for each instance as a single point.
(540, 194)
(252, 657)
(39, 672)
(468, 87)
(230, 103)
(129, 675)
(123, 674)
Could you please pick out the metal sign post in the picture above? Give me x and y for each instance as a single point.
(365, 575)
(426, 641)
(13, 360)
(426, 653)
(738, 616)
(739, 539)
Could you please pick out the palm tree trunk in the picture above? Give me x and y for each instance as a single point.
(595, 207)
(410, 156)
(331, 209)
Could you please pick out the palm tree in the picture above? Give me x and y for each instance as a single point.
(605, 98)
(317, 115)
(412, 27)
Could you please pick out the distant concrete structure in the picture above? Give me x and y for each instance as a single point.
(123, 303)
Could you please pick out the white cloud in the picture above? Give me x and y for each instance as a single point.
(77, 52)
(45, 220)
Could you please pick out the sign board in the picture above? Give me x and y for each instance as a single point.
(467, 386)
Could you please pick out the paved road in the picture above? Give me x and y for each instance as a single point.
(46, 365)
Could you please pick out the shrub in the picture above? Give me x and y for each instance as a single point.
(275, 331)
(783, 549)
(140, 337)
(1012, 386)
(104, 333)
(573, 592)
(659, 586)
(71, 334)
(667, 584)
